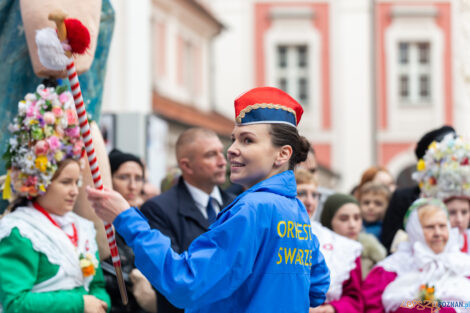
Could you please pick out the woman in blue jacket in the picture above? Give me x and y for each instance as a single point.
(260, 254)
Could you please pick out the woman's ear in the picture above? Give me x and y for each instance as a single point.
(284, 155)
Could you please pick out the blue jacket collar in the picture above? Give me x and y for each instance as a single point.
(282, 184)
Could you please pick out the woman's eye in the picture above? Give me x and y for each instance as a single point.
(247, 140)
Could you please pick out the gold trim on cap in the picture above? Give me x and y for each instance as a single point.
(255, 106)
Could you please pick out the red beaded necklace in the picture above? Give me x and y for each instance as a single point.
(73, 238)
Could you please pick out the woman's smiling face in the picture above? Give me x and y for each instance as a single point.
(252, 155)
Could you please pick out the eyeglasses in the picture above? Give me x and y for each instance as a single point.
(305, 193)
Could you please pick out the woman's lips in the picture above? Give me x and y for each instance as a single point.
(236, 164)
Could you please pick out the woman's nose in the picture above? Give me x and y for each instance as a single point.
(232, 150)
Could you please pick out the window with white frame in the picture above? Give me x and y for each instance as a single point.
(292, 71)
(414, 72)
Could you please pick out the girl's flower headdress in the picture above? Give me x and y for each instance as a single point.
(444, 171)
(44, 133)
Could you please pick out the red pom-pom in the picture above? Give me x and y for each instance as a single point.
(77, 35)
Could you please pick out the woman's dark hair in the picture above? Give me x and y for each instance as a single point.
(282, 135)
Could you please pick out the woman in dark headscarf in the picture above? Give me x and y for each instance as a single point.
(127, 173)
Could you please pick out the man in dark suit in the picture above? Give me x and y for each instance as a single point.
(402, 198)
(186, 210)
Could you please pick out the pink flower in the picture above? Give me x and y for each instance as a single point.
(57, 111)
(32, 111)
(54, 143)
(31, 181)
(77, 148)
(49, 118)
(40, 148)
(71, 117)
(73, 132)
(64, 97)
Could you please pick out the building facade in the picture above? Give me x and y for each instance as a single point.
(372, 75)
(159, 79)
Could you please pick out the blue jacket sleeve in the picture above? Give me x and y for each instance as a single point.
(215, 265)
(319, 276)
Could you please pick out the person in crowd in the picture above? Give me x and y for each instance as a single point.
(402, 198)
(342, 215)
(127, 172)
(342, 255)
(128, 176)
(373, 200)
(443, 173)
(427, 268)
(187, 210)
(379, 175)
(49, 256)
(311, 165)
(251, 259)
(459, 217)
(307, 190)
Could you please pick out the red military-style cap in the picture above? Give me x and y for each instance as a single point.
(267, 105)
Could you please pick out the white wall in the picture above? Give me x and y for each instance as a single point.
(461, 65)
(232, 52)
(127, 89)
(351, 89)
(128, 79)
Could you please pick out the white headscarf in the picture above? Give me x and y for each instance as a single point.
(416, 264)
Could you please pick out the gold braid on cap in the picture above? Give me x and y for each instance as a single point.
(255, 106)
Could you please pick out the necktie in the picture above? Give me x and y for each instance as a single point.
(210, 211)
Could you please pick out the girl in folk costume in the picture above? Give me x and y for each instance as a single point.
(426, 269)
(444, 173)
(342, 255)
(48, 254)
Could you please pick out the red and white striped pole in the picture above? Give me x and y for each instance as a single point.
(95, 170)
